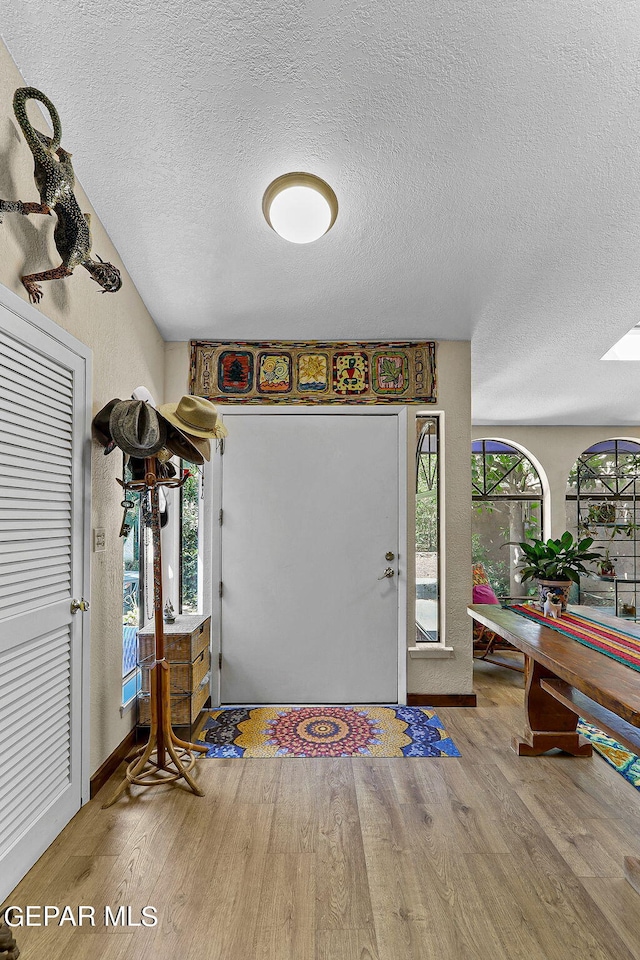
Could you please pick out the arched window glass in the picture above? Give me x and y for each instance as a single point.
(610, 467)
(603, 494)
(507, 508)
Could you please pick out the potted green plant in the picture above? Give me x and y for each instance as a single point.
(556, 564)
(606, 566)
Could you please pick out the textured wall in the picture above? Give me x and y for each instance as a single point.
(127, 350)
(484, 155)
(451, 673)
(454, 673)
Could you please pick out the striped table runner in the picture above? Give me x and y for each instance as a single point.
(614, 643)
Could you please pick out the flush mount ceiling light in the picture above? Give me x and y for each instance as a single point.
(300, 207)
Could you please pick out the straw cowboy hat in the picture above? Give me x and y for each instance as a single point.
(137, 429)
(198, 418)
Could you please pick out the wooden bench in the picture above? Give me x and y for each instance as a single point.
(565, 680)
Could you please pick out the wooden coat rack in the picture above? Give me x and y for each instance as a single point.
(164, 758)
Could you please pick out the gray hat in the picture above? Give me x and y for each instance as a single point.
(178, 444)
(137, 429)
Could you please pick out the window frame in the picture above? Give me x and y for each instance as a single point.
(488, 493)
(433, 479)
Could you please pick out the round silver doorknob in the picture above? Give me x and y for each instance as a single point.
(389, 572)
(79, 605)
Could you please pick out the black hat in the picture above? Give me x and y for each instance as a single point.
(101, 428)
(181, 445)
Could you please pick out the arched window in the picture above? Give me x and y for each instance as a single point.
(603, 494)
(507, 508)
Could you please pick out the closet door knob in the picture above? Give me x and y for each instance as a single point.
(82, 605)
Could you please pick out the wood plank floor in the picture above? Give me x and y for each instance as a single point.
(488, 856)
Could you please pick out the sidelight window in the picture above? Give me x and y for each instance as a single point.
(190, 500)
(427, 530)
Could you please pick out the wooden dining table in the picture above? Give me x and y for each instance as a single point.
(566, 680)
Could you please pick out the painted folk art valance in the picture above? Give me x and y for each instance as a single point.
(313, 371)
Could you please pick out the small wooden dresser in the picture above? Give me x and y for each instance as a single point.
(187, 648)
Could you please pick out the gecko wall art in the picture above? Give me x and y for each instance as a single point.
(55, 181)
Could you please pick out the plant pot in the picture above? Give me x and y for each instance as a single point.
(559, 587)
(605, 513)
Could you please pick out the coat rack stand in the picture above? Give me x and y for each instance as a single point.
(164, 758)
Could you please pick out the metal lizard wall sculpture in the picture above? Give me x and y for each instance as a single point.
(55, 180)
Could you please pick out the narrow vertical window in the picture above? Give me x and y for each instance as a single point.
(132, 593)
(189, 539)
(427, 530)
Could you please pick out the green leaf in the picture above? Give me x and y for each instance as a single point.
(559, 559)
(585, 544)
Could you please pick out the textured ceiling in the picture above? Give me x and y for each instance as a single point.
(485, 156)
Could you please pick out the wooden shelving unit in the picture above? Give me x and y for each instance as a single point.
(187, 649)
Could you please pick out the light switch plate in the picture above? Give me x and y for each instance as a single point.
(99, 539)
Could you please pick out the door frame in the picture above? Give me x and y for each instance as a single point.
(23, 313)
(211, 541)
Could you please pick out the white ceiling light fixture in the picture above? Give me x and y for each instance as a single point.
(300, 207)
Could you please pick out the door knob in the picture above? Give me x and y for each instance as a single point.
(81, 605)
(389, 556)
(389, 572)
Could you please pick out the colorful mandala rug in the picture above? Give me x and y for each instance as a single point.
(627, 764)
(326, 732)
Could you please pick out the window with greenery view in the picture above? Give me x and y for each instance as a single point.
(427, 530)
(133, 551)
(189, 532)
(603, 502)
(507, 508)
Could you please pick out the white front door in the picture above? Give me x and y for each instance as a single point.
(310, 508)
(43, 523)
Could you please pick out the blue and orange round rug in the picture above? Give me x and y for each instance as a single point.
(326, 732)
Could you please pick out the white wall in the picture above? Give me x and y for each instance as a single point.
(127, 350)
(443, 671)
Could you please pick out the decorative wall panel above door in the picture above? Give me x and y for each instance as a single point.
(313, 371)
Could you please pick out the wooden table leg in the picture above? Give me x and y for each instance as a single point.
(548, 723)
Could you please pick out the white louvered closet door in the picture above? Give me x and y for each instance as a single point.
(42, 505)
